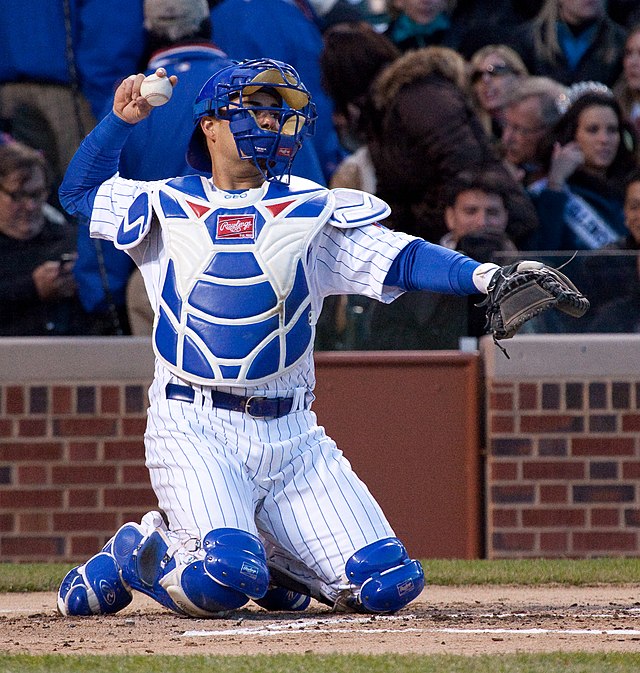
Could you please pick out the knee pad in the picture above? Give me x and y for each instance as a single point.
(94, 588)
(236, 559)
(387, 577)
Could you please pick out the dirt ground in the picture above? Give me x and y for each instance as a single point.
(446, 620)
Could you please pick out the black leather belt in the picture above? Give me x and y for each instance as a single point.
(253, 405)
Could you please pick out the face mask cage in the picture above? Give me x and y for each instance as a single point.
(272, 147)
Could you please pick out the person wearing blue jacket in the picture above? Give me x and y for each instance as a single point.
(61, 62)
(178, 33)
(279, 29)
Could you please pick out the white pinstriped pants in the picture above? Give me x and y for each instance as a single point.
(283, 479)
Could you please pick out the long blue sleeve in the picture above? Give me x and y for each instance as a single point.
(426, 266)
(95, 162)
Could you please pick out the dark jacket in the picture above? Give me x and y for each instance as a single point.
(602, 62)
(421, 133)
(22, 312)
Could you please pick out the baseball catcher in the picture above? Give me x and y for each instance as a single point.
(521, 291)
(258, 501)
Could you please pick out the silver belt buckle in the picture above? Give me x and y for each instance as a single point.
(247, 406)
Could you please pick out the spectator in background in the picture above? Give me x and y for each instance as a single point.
(580, 202)
(37, 246)
(280, 30)
(477, 215)
(494, 70)
(61, 63)
(531, 111)
(421, 132)
(179, 34)
(572, 41)
(415, 24)
(627, 88)
(353, 55)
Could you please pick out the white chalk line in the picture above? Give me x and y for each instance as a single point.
(323, 626)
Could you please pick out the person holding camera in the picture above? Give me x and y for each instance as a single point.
(38, 293)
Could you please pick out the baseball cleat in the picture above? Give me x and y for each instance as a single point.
(279, 598)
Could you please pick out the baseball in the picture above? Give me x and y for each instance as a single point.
(156, 90)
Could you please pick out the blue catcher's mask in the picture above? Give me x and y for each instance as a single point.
(224, 95)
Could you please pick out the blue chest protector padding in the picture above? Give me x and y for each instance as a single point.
(235, 305)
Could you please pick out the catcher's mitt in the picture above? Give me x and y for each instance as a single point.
(520, 291)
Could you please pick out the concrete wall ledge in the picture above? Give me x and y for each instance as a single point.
(577, 356)
(35, 359)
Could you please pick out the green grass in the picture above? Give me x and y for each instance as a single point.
(517, 663)
(16, 577)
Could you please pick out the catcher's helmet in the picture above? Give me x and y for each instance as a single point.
(223, 97)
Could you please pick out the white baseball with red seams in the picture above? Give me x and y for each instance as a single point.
(156, 90)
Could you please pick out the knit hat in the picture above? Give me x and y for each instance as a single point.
(174, 19)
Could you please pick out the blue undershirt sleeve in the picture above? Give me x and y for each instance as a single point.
(426, 266)
(95, 161)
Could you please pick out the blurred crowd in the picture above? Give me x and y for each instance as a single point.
(501, 128)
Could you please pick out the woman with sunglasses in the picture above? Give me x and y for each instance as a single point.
(494, 71)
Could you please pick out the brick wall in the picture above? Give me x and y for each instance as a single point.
(71, 467)
(563, 449)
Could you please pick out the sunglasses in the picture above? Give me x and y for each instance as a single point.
(491, 71)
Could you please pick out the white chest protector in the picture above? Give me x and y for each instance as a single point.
(234, 306)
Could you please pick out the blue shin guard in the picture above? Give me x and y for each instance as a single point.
(94, 588)
(387, 577)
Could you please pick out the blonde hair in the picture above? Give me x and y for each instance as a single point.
(507, 54)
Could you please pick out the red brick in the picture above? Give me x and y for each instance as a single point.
(551, 518)
(32, 427)
(85, 546)
(62, 398)
(89, 474)
(6, 428)
(630, 422)
(504, 471)
(602, 446)
(554, 542)
(553, 469)
(632, 517)
(7, 522)
(15, 400)
(134, 427)
(518, 542)
(528, 396)
(32, 474)
(133, 497)
(502, 424)
(589, 493)
(83, 498)
(31, 548)
(135, 474)
(34, 522)
(110, 400)
(84, 521)
(84, 427)
(37, 451)
(631, 470)
(124, 450)
(605, 542)
(27, 499)
(83, 451)
(551, 494)
(501, 401)
(551, 423)
(513, 494)
(504, 518)
(605, 517)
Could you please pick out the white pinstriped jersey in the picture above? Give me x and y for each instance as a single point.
(281, 478)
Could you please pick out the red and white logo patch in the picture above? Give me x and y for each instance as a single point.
(236, 226)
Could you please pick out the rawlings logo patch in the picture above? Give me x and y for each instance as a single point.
(405, 587)
(284, 152)
(235, 226)
(249, 570)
